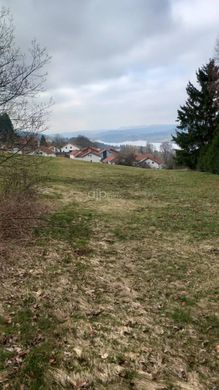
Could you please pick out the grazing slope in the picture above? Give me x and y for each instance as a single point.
(118, 290)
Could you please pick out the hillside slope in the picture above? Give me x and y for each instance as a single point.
(118, 290)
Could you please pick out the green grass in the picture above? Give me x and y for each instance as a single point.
(69, 224)
(119, 288)
(181, 316)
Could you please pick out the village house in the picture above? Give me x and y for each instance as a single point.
(44, 151)
(109, 156)
(68, 148)
(54, 149)
(108, 152)
(90, 154)
(147, 160)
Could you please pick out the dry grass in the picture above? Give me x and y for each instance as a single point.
(122, 294)
(19, 215)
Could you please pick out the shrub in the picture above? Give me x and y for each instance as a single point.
(19, 214)
(20, 209)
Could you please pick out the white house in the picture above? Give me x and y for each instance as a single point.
(109, 152)
(74, 154)
(91, 157)
(148, 161)
(69, 148)
(44, 152)
(90, 154)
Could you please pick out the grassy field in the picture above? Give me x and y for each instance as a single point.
(119, 288)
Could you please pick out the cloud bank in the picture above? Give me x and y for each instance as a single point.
(120, 62)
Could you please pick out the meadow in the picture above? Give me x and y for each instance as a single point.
(118, 289)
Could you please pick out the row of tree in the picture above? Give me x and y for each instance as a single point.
(127, 154)
(198, 129)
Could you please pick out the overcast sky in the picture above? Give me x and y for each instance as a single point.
(118, 62)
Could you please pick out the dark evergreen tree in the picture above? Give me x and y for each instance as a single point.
(198, 118)
(43, 141)
(7, 133)
(209, 158)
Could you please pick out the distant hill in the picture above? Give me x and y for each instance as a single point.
(150, 133)
(82, 142)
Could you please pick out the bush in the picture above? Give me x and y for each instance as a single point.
(19, 207)
(19, 215)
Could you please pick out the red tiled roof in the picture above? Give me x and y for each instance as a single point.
(89, 152)
(109, 159)
(146, 156)
(91, 148)
(75, 152)
(84, 152)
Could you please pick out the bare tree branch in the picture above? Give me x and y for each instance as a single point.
(22, 80)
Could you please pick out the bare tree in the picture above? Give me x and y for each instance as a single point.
(149, 148)
(126, 156)
(22, 99)
(167, 154)
(22, 80)
(58, 141)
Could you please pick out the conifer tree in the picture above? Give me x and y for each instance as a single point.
(43, 141)
(209, 159)
(7, 133)
(198, 118)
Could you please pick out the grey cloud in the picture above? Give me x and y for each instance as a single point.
(117, 62)
(88, 38)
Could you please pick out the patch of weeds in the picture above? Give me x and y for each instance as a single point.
(170, 386)
(186, 300)
(33, 324)
(130, 375)
(3, 321)
(120, 234)
(29, 301)
(80, 268)
(213, 295)
(209, 325)
(118, 359)
(71, 225)
(37, 332)
(35, 365)
(29, 327)
(4, 356)
(67, 259)
(24, 325)
(181, 316)
(45, 323)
